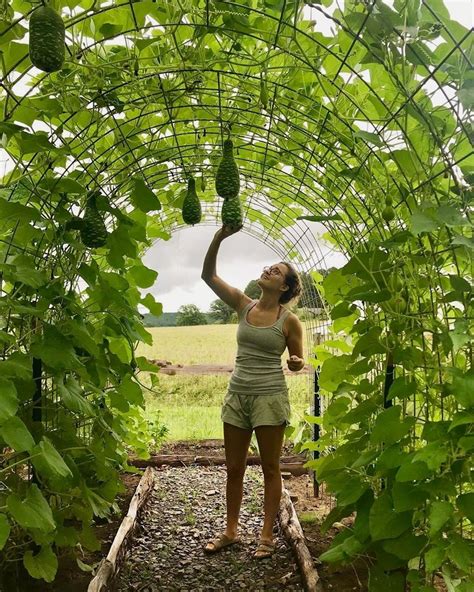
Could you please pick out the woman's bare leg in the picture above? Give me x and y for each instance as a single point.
(236, 443)
(270, 441)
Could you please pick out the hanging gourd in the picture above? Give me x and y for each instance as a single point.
(388, 213)
(231, 213)
(93, 231)
(191, 210)
(227, 178)
(46, 39)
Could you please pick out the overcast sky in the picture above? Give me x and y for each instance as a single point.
(240, 259)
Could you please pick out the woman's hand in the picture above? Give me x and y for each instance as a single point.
(226, 231)
(295, 363)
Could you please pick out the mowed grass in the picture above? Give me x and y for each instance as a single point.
(190, 405)
(201, 344)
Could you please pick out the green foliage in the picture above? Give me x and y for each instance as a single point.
(253, 290)
(189, 314)
(345, 129)
(221, 312)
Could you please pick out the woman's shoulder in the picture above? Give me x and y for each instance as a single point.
(291, 321)
(244, 302)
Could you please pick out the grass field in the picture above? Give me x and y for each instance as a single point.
(189, 406)
(201, 344)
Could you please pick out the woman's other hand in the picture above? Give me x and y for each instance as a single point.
(295, 363)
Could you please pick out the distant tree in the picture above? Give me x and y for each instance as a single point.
(253, 290)
(189, 314)
(221, 312)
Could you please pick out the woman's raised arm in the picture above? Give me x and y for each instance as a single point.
(234, 297)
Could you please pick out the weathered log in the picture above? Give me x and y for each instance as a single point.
(293, 464)
(187, 459)
(110, 566)
(293, 532)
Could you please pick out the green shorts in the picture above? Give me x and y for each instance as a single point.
(250, 411)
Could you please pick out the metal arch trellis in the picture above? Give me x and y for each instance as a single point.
(334, 185)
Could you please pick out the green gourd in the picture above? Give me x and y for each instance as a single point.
(227, 178)
(47, 39)
(231, 213)
(93, 231)
(263, 93)
(191, 210)
(388, 213)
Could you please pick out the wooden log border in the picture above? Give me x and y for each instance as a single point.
(292, 464)
(110, 565)
(293, 532)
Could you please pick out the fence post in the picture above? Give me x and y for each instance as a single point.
(317, 413)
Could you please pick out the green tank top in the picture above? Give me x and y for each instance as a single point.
(258, 369)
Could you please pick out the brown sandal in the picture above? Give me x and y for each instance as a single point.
(264, 549)
(220, 542)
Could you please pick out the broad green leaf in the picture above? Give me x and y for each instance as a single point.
(73, 398)
(433, 454)
(351, 492)
(55, 349)
(440, 513)
(8, 399)
(156, 308)
(348, 549)
(421, 222)
(332, 372)
(32, 143)
(384, 522)
(121, 348)
(31, 510)
(369, 137)
(451, 216)
(412, 471)
(407, 496)
(465, 503)
(434, 558)
(4, 530)
(402, 388)
(406, 546)
(43, 565)
(460, 284)
(16, 435)
(461, 418)
(131, 390)
(11, 213)
(461, 553)
(320, 218)
(143, 276)
(463, 387)
(47, 460)
(143, 197)
(388, 428)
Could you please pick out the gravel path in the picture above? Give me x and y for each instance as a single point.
(186, 509)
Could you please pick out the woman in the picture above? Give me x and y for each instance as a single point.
(257, 396)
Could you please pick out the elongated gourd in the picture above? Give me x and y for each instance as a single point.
(227, 177)
(46, 39)
(231, 213)
(93, 231)
(191, 210)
